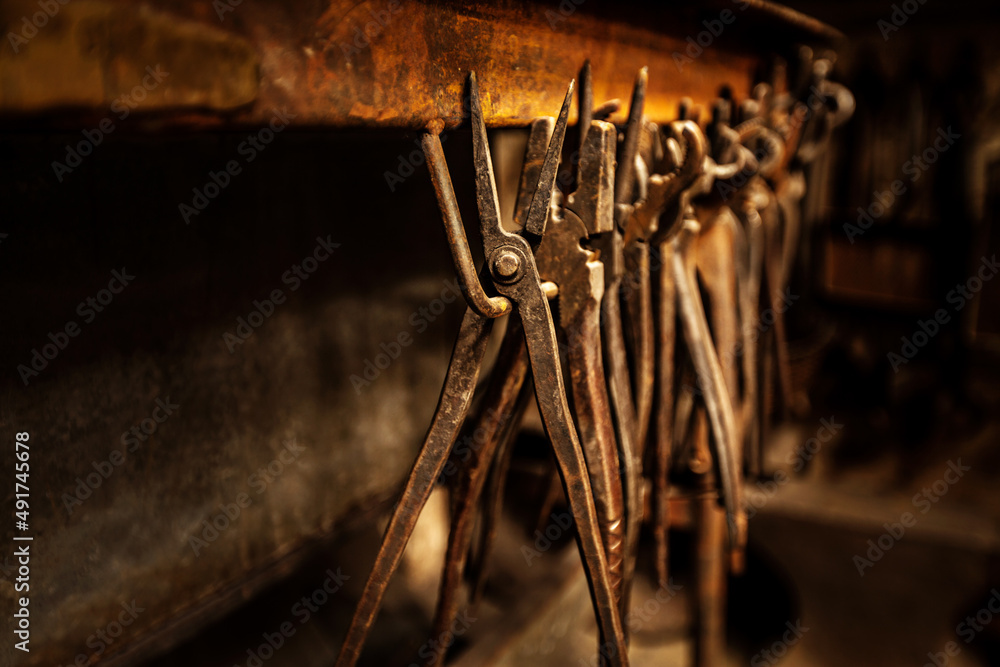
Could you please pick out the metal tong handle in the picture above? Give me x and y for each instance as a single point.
(487, 306)
(459, 385)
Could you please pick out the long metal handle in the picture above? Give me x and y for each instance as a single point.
(623, 411)
(552, 404)
(639, 330)
(459, 385)
(706, 363)
(593, 416)
(666, 338)
(499, 407)
(492, 505)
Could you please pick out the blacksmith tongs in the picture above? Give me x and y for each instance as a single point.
(509, 272)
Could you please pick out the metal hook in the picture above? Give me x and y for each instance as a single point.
(487, 306)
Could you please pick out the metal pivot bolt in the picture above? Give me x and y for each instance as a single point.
(506, 265)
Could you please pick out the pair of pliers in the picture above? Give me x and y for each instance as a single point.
(689, 173)
(756, 208)
(512, 276)
(576, 274)
(579, 278)
(628, 400)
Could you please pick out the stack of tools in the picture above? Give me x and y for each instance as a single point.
(658, 266)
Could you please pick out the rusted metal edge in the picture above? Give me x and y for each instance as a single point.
(808, 25)
(379, 63)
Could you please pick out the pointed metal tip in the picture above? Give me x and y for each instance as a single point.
(586, 80)
(538, 210)
(641, 79)
(564, 111)
(567, 100)
(475, 104)
(473, 86)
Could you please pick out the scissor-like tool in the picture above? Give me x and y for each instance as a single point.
(512, 278)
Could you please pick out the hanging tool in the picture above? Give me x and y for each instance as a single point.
(511, 273)
(577, 275)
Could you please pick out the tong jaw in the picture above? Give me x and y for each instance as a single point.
(587, 211)
(509, 257)
(593, 200)
(670, 194)
(486, 188)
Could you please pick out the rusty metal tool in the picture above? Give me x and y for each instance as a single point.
(579, 277)
(589, 213)
(506, 395)
(611, 246)
(460, 382)
(756, 208)
(676, 243)
(492, 501)
(709, 571)
(804, 119)
(722, 260)
(511, 272)
(586, 177)
(636, 288)
(504, 404)
(657, 217)
(578, 274)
